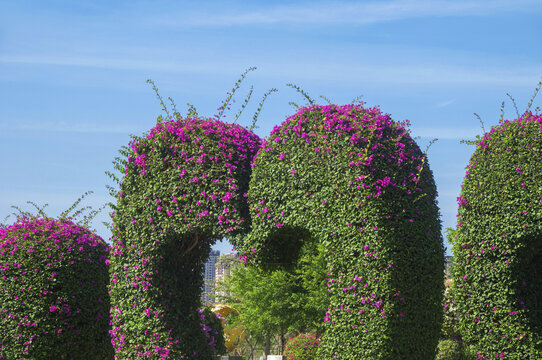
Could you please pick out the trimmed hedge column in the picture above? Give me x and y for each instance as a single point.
(353, 179)
(53, 292)
(498, 243)
(183, 189)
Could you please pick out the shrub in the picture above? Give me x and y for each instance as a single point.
(355, 181)
(183, 188)
(214, 331)
(449, 350)
(450, 323)
(53, 291)
(498, 243)
(302, 347)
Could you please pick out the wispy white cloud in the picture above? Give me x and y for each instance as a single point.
(358, 13)
(447, 133)
(64, 126)
(107, 62)
(439, 74)
(445, 103)
(364, 71)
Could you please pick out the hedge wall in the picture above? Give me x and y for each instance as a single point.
(54, 302)
(498, 243)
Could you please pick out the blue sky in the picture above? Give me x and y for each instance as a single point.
(72, 77)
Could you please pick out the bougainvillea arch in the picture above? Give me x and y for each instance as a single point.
(54, 302)
(184, 187)
(353, 179)
(497, 245)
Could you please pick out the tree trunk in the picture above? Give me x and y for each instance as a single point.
(251, 347)
(266, 346)
(282, 342)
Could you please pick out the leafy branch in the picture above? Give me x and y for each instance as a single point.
(534, 96)
(294, 105)
(326, 99)
(230, 94)
(481, 122)
(244, 104)
(66, 214)
(513, 102)
(299, 90)
(257, 113)
(191, 111)
(358, 100)
(164, 107)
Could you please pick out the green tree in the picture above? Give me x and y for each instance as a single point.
(312, 300)
(273, 302)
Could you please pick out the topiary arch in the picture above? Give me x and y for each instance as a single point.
(53, 291)
(351, 178)
(183, 188)
(498, 243)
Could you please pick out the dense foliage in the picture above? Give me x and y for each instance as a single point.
(54, 302)
(312, 300)
(498, 243)
(449, 349)
(302, 347)
(266, 300)
(183, 188)
(450, 322)
(353, 180)
(214, 331)
(273, 301)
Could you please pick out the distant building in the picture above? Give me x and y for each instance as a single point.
(223, 267)
(448, 262)
(209, 277)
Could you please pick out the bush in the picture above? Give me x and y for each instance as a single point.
(214, 331)
(498, 243)
(450, 323)
(302, 347)
(54, 302)
(449, 350)
(183, 188)
(353, 180)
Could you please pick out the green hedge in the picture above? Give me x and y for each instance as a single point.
(183, 188)
(498, 243)
(449, 349)
(54, 302)
(354, 180)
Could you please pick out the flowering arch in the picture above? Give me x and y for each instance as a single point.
(498, 243)
(183, 188)
(351, 178)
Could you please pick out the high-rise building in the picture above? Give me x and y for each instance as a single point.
(448, 263)
(209, 277)
(223, 267)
